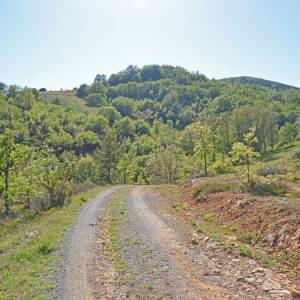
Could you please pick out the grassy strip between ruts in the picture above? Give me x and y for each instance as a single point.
(28, 259)
(116, 211)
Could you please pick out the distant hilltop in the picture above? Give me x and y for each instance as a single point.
(259, 81)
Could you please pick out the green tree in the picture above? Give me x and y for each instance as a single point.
(12, 161)
(124, 128)
(85, 169)
(165, 165)
(245, 153)
(203, 144)
(110, 113)
(98, 124)
(96, 100)
(124, 106)
(83, 91)
(288, 133)
(141, 127)
(107, 156)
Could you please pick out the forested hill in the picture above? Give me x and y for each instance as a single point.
(259, 81)
(155, 124)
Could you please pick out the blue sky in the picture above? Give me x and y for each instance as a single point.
(63, 43)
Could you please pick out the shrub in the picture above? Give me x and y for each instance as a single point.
(269, 171)
(248, 237)
(30, 215)
(211, 188)
(245, 251)
(45, 248)
(57, 182)
(266, 187)
(296, 156)
(221, 167)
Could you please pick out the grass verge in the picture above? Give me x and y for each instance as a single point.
(116, 212)
(28, 257)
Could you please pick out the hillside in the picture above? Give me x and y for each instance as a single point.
(216, 151)
(64, 98)
(259, 81)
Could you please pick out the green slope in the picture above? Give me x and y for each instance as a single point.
(259, 81)
(65, 98)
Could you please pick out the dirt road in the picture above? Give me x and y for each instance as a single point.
(127, 245)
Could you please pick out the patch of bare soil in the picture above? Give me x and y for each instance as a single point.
(272, 220)
(273, 226)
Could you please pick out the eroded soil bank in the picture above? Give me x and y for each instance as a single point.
(139, 244)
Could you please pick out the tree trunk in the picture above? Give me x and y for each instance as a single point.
(248, 171)
(205, 163)
(6, 198)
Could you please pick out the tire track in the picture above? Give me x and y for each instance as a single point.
(78, 254)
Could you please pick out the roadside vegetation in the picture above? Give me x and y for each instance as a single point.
(29, 245)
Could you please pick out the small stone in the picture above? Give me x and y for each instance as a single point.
(295, 293)
(194, 241)
(258, 270)
(216, 271)
(212, 247)
(250, 280)
(279, 293)
(206, 239)
(271, 285)
(259, 281)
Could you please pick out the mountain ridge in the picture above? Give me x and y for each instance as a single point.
(278, 86)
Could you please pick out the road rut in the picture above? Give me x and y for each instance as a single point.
(78, 252)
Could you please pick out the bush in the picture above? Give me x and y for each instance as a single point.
(211, 188)
(269, 171)
(266, 187)
(296, 156)
(45, 248)
(221, 167)
(57, 183)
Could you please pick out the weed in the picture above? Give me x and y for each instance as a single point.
(280, 208)
(45, 248)
(268, 262)
(123, 280)
(248, 237)
(30, 215)
(193, 222)
(178, 206)
(295, 195)
(150, 287)
(245, 251)
(83, 199)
